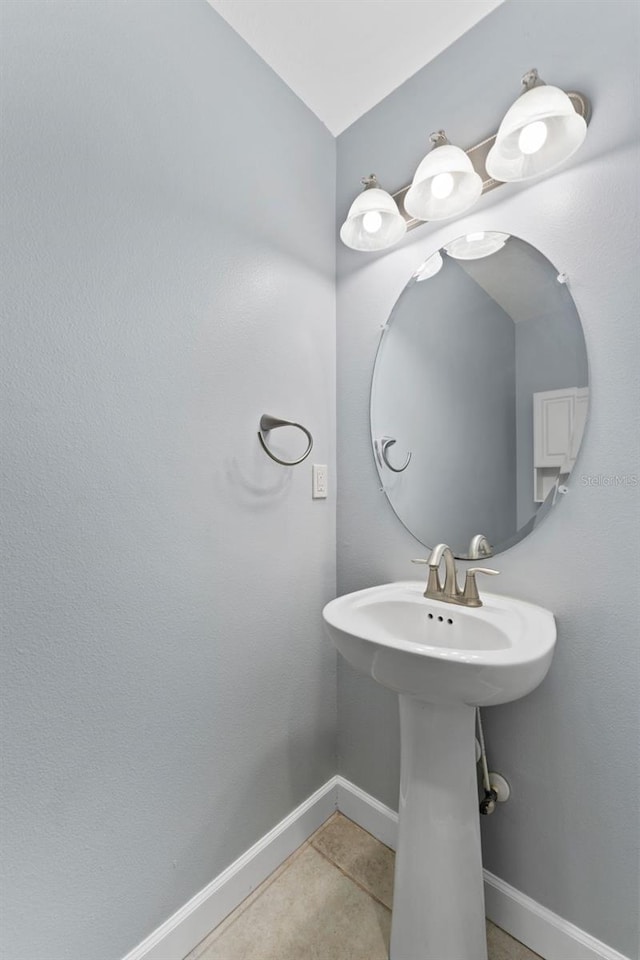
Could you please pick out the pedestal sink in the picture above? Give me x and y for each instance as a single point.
(443, 660)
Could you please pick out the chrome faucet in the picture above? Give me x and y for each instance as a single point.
(479, 547)
(450, 592)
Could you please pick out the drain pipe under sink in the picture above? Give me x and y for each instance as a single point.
(488, 804)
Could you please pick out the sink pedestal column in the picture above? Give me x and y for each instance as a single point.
(438, 903)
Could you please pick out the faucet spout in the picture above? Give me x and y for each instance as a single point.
(479, 547)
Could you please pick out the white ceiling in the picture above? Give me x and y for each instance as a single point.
(341, 57)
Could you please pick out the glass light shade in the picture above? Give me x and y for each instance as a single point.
(445, 185)
(539, 132)
(373, 222)
(429, 268)
(475, 246)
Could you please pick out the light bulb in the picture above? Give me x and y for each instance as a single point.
(442, 185)
(533, 137)
(539, 131)
(445, 183)
(372, 221)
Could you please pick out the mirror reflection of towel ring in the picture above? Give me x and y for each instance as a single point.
(268, 423)
(381, 446)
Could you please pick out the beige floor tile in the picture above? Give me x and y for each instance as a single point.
(503, 947)
(359, 855)
(201, 948)
(311, 911)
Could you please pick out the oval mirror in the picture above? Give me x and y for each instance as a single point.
(479, 394)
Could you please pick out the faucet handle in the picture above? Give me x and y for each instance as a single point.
(433, 583)
(470, 594)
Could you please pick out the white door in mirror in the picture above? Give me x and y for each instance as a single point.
(319, 474)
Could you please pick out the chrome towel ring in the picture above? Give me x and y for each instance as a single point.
(268, 423)
(381, 446)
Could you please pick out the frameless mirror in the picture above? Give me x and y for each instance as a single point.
(479, 394)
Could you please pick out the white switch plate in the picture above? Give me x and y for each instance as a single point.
(319, 474)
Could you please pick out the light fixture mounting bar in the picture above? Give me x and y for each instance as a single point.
(478, 155)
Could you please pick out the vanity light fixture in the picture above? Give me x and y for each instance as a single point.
(475, 246)
(539, 132)
(374, 221)
(429, 268)
(542, 129)
(445, 183)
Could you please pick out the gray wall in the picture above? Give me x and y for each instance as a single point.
(431, 372)
(569, 836)
(167, 689)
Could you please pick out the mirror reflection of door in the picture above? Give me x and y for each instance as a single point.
(559, 418)
(481, 345)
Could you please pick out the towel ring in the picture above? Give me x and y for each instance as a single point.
(268, 423)
(381, 446)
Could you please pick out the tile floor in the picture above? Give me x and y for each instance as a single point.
(331, 900)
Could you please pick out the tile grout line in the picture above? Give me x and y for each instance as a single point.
(534, 956)
(364, 830)
(349, 877)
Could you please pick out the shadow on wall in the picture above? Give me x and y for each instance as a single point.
(251, 486)
(254, 479)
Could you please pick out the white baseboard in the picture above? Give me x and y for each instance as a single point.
(369, 813)
(178, 935)
(539, 929)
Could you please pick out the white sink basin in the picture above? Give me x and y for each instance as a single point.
(442, 652)
(443, 660)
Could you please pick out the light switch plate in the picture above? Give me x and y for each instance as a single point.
(320, 481)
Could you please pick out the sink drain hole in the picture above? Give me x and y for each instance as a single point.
(432, 616)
